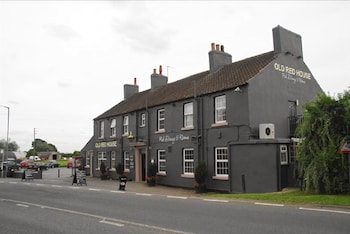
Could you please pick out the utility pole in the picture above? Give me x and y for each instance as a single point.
(7, 140)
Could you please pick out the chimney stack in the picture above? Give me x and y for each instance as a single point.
(287, 42)
(218, 57)
(158, 80)
(130, 90)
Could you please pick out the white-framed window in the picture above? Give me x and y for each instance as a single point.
(125, 125)
(188, 115)
(283, 154)
(126, 160)
(113, 127)
(142, 120)
(188, 161)
(221, 161)
(101, 157)
(161, 161)
(101, 129)
(113, 164)
(161, 120)
(220, 109)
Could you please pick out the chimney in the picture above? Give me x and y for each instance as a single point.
(218, 57)
(130, 90)
(287, 42)
(158, 80)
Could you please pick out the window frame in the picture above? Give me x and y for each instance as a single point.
(161, 120)
(220, 109)
(284, 159)
(101, 157)
(224, 167)
(125, 125)
(113, 160)
(161, 162)
(126, 161)
(101, 127)
(113, 128)
(187, 161)
(188, 115)
(142, 120)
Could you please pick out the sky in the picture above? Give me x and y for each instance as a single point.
(63, 63)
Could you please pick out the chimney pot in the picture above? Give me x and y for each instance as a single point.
(154, 70)
(135, 81)
(222, 48)
(213, 46)
(217, 47)
(160, 69)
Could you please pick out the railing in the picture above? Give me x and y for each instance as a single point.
(293, 123)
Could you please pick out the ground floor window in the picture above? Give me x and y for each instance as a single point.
(188, 161)
(283, 155)
(161, 161)
(113, 165)
(126, 161)
(101, 157)
(221, 161)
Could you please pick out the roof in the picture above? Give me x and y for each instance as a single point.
(228, 77)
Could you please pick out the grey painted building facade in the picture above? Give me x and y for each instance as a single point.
(238, 117)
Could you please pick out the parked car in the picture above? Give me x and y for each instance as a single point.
(11, 167)
(52, 164)
(40, 166)
(24, 163)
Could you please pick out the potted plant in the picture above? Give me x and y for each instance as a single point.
(200, 176)
(103, 171)
(151, 174)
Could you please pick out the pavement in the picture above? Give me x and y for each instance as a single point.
(64, 177)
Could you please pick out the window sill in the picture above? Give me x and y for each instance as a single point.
(161, 173)
(220, 177)
(160, 131)
(219, 124)
(125, 135)
(189, 176)
(187, 128)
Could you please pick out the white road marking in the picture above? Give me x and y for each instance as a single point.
(325, 210)
(13, 182)
(144, 194)
(117, 191)
(22, 205)
(93, 189)
(112, 223)
(56, 186)
(215, 200)
(268, 204)
(177, 197)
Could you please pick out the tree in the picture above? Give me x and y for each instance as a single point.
(12, 145)
(326, 123)
(40, 145)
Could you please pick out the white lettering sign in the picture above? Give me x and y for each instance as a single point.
(292, 74)
(105, 144)
(178, 137)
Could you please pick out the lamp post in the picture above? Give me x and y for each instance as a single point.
(7, 140)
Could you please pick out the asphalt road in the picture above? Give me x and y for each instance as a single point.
(38, 207)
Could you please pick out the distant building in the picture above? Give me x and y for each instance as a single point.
(238, 117)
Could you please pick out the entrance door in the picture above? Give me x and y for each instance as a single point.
(143, 165)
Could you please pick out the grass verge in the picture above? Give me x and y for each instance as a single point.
(291, 196)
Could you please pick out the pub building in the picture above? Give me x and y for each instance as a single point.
(238, 117)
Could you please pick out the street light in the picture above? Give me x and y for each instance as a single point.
(7, 140)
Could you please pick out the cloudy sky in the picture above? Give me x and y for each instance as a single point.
(63, 63)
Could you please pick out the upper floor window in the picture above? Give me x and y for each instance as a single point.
(142, 120)
(161, 120)
(220, 109)
(188, 115)
(125, 125)
(113, 128)
(101, 129)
